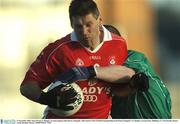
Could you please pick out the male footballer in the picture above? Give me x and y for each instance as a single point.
(83, 57)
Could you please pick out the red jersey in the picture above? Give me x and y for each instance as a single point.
(66, 53)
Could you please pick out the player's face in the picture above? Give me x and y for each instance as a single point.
(87, 29)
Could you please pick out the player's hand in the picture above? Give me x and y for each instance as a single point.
(76, 74)
(140, 82)
(59, 97)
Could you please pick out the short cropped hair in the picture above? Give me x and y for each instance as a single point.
(112, 29)
(82, 8)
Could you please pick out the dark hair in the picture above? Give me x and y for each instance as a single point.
(82, 8)
(112, 29)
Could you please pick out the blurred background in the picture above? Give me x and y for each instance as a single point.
(27, 26)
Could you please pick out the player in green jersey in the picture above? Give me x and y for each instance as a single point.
(152, 104)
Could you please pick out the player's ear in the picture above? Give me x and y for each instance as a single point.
(100, 20)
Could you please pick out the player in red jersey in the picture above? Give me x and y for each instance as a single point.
(89, 45)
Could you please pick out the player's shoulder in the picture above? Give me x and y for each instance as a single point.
(54, 46)
(59, 42)
(134, 52)
(117, 38)
(118, 41)
(135, 55)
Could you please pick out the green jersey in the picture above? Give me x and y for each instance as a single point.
(152, 104)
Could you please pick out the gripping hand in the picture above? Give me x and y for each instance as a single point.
(76, 74)
(59, 97)
(140, 82)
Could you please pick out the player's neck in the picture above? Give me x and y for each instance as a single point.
(97, 41)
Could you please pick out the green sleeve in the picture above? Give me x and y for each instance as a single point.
(154, 103)
(138, 62)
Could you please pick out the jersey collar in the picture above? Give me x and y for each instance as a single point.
(107, 37)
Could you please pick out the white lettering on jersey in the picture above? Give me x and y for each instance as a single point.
(90, 93)
(108, 90)
(95, 57)
(92, 90)
(92, 82)
(99, 89)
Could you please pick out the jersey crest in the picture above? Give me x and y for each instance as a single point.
(79, 62)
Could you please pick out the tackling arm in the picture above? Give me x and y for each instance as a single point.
(138, 82)
(114, 73)
(111, 74)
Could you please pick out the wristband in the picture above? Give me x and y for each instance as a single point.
(92, 71)
(95, 69)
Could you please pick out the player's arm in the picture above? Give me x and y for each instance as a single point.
(115, 73)
(138, 62)
(31, 90)
(111, 74)
(138, 82)
(38, 77)
(55, 98)
(127, 81)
